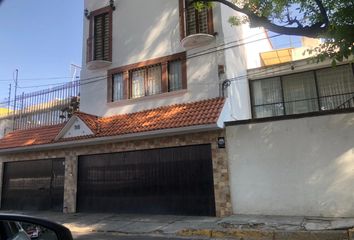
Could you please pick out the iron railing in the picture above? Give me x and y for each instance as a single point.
(45, 107)
(315, 104)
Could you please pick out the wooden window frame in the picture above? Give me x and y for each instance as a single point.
(163, 61)
(90, 46)
(182, 20)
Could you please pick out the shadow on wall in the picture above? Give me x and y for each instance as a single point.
(153, 41)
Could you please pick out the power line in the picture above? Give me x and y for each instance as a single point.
(220, 45)
(35, 79)
(197, 54)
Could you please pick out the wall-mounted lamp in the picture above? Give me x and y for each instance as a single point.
(87, 13)
(111, 4)
(221, 142)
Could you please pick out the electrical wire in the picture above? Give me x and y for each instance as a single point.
(194, 55)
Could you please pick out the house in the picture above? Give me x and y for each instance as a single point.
(149, 137)
(295, 156)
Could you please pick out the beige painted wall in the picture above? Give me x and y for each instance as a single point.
(293, 167)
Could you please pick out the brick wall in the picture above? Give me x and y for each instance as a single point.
(219, 158)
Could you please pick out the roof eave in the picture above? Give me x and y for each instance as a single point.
(117, 138)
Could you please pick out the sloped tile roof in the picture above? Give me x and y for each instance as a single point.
(175, 116)
(29, 137)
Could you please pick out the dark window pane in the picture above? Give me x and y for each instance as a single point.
(118, 87)
(101, 37)
(267, 98)
(196, 21)
(336, 87)
(300, 95)
(174, 76)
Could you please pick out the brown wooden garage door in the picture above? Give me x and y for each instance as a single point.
(175, 180)
(33, 185)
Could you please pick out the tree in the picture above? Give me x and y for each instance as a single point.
(331, 20)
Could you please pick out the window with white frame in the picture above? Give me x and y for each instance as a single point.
(311, 91)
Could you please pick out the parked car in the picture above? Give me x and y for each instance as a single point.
(11, 228)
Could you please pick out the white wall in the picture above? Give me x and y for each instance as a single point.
(144, 30)
(242, 47)
(293, 167)
(148, 29)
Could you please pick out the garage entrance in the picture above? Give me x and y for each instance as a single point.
(33, 185)
(175, 180)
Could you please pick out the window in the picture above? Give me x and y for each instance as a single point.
(99, 43)
(174, 76)
(312, 91)
(166, 74)
(118, 87)
(193, 21)
(335, 87)
(267, 98)
(300, 93)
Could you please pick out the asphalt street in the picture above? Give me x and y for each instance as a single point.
(109, 236)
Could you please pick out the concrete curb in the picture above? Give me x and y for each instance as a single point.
(267, 235)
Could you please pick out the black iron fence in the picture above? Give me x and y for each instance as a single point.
(45, 107)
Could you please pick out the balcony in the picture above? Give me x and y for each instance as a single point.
(198, 29)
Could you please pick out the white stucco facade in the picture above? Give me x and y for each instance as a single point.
(301, 167)
(144, 30)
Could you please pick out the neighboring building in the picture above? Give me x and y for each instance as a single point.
(295, 156)
(149, 137)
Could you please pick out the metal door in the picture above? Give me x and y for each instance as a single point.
(175, 180)
(33, 185)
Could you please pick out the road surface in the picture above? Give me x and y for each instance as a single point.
(109, 236)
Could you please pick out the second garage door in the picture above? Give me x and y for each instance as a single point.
(175, 180)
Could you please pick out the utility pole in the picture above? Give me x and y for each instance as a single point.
(16, 85)
(9, 101)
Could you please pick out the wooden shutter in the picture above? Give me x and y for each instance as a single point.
(102, 37)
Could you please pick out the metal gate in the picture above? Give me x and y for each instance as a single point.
(175, 180)
(33, 185)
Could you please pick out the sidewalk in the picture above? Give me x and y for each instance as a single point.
(237, 227)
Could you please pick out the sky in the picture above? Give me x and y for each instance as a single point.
(40, 38)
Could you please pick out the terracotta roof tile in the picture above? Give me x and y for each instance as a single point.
(29, 137)
(175, 116)
(89, 120)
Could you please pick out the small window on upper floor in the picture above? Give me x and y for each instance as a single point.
(166, 74)
(193, 21)
(99, 42)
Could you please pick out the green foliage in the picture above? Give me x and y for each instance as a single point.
(333, 20)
